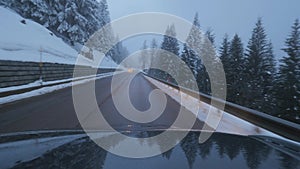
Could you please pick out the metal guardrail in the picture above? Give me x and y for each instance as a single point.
(28, 89)
(16, 73)
(276, 125)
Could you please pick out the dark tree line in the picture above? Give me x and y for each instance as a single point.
(252, 77)
(254, 81)
(288, 77)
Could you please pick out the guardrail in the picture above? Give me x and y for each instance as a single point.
(276, 125)
(28, 89)
(15, 73)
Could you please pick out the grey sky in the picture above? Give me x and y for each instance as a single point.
(223, 16)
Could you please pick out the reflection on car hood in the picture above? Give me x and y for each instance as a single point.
(220, 151)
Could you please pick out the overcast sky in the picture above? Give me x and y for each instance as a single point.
(223, 16)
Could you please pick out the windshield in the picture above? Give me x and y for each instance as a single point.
(143, 79)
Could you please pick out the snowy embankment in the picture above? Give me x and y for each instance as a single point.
(228, 123)
(23, 39)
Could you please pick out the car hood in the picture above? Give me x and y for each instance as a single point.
(76, 150)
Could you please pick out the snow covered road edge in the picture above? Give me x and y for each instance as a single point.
(53, 86)
(229, 123)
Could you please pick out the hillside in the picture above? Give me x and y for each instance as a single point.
(22, 39)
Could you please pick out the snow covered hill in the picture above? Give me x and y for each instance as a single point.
(22, 40)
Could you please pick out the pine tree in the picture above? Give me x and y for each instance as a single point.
(153, 52)
(163, 59)
(169, 44)
(269, 75)
(236, 85)
(144, 56)
(193, 41)
(259, 70)
(288, 90)
(192, 58)
(224, 56)
(105, 37)
(203, 80)
(185, 54)
(210, 35)
(120, 52)
(153, 57)
(224, 50)
(185, 71)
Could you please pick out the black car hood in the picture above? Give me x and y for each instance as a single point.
(220, 151)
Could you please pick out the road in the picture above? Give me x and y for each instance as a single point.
(55, 111)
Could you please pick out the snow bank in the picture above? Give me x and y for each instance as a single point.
(228, 123)
(23, 39)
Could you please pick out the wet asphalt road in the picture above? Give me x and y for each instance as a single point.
(55, 111)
